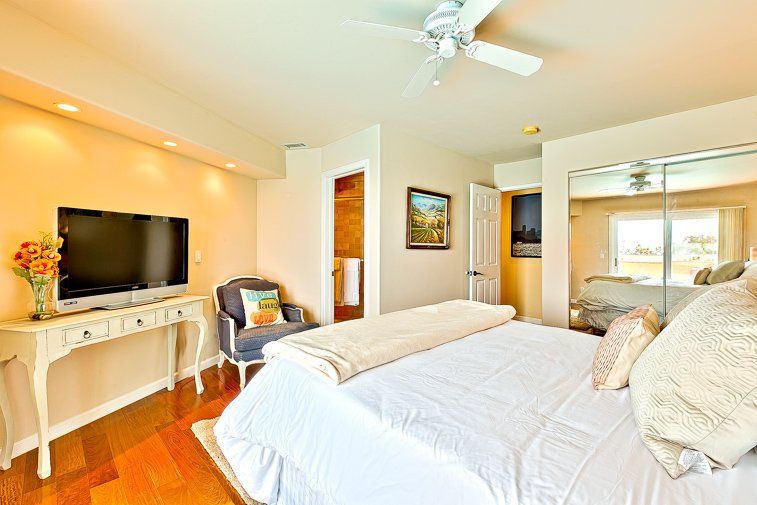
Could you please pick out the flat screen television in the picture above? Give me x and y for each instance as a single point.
(114, 259)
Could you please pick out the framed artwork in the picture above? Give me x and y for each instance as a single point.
(427, 219)
(525, 228)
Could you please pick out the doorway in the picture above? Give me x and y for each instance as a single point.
(349, 260)
(349, 245)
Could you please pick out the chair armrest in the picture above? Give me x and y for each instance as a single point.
(292, 313)
(227, 332)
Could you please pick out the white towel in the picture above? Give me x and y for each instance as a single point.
(351, 281)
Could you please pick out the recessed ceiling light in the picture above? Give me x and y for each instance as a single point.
(170, 143)
(530, 130)
(67, 107)
(231, 165)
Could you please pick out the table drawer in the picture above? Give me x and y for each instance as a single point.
(85, 332)
(138, 321)
(178, 312)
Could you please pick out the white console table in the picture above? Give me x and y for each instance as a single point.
(39, 343)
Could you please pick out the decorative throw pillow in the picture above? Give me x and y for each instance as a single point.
(693, 389)
(626, 337)
(701, 276)
(261, 308)
(726, 271)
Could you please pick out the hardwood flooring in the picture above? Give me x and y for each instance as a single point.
(143, 454)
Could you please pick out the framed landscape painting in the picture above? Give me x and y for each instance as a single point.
(427, 219)
(525, 235)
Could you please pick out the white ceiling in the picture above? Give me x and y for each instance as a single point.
(283, 70)
(682, 177)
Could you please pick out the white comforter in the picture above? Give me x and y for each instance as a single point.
(503, 416)
(624, 297)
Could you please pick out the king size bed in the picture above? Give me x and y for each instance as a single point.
(506, 415)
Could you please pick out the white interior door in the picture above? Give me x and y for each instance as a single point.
(485, 221)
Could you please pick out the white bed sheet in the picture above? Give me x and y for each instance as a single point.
(504, 416)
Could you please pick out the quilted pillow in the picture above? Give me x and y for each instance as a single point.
(261, 308)
(626, 337)
(678, 307)
(694, 388)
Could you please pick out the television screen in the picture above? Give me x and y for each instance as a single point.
(109, 252)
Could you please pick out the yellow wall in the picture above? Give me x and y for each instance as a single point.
(590, 230)
(521, 277)
(48, 161)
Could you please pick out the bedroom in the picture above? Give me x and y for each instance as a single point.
(221, 84)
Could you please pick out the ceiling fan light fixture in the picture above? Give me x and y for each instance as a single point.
(447, 47)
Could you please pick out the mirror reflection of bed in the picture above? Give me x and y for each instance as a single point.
(648, 234)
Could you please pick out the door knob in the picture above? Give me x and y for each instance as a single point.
(472, 273)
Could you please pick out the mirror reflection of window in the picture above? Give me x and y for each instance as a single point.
(652, 234)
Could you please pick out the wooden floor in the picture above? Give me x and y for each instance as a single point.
(142, 454)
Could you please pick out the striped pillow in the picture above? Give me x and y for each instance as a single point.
(626, 337)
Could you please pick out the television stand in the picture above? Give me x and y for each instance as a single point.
(37, 344)
(130, 303)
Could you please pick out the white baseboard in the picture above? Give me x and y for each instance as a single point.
(58, 430)
(528, 319)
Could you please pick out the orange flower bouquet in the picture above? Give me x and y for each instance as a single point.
(37, 262)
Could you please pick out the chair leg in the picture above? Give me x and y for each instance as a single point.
(220, 359)
(242, 375)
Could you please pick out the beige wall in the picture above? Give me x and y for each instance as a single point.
(412, 277)
(48, 161)
(289, 231)
(521, 277)
(590, 229)
(518, 175)
(289, 219)
(725, 124)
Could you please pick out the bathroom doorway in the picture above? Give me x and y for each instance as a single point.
(349, 245)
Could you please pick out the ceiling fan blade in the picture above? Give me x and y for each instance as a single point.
(384, 31)
(474, 11)
(422, 77)
(514, 61)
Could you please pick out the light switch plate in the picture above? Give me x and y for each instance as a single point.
(198, 256)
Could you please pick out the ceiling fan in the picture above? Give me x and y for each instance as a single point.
(639, 184)
(447, 30)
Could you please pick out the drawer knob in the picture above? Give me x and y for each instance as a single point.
(87, 334)
(179, 313)
(140, 322)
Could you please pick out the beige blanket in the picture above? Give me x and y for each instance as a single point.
(342, 350)
(626, 279)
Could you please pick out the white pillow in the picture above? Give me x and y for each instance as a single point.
(261, 308)
(693, 388)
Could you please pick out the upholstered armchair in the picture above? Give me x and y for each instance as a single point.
(240, 346)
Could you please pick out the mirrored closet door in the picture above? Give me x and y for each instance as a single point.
(653, 232)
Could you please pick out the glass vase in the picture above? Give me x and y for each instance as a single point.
(42, 302)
